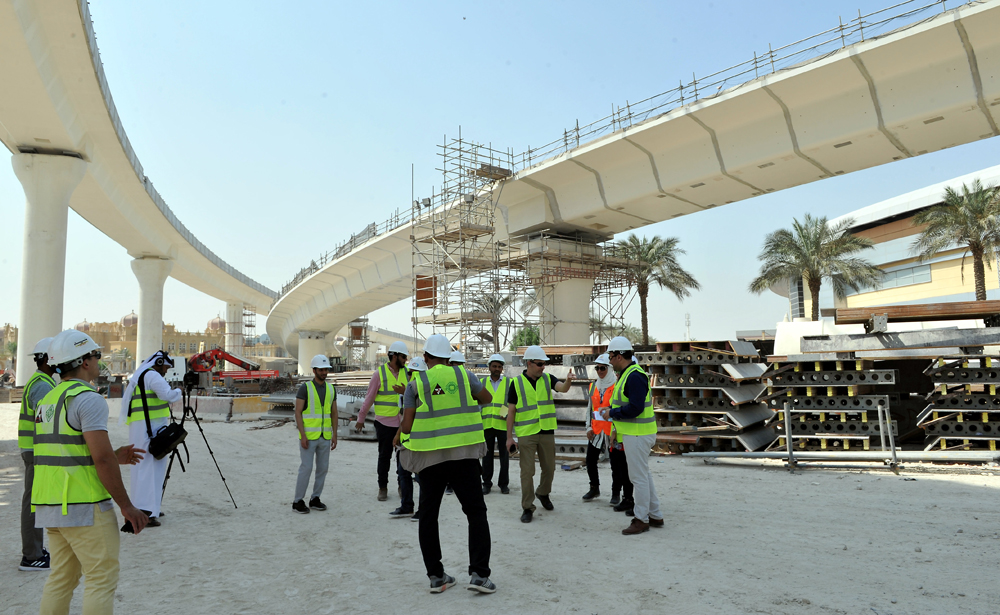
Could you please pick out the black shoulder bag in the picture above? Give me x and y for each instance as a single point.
(168, 437)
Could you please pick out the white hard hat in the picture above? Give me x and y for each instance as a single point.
(417, 364)
(399, 348)
(535, 353)
(457, 357)
(438, 346)
(619, 344)
(69, 347)
(320, 361)
(42, 347)
(602, 360)
(496, 357)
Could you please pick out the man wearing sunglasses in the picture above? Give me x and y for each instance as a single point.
(632, 413)
(531, 416)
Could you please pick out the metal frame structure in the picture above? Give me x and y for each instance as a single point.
(357, 343)
(456, 285)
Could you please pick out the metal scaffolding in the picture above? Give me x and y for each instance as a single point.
(455, 255)
(357, 343)
(534, 264)
(478, 290)
(249, 330)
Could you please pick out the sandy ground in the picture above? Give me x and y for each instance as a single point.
(739, 539)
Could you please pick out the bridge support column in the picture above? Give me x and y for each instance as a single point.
(48, 183)
(570, 311)
(563, 277)
(151, 273)
(311, 343)
(234, 332)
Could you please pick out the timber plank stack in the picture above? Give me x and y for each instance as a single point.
(706, 396)
(833, 404)
(963, 411)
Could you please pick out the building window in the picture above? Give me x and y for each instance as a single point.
(170, 347)
(182, 347)
(900, 277)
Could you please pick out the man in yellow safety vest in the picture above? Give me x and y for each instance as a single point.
(632, 413)
(33, 554)
(316, 420)
(384, 392)
(495, 426)
(442, 430)
(76, 477)
(531, 417)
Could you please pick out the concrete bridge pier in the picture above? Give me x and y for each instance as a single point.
(563, 273)
(151, 272)
(48, 182)
(234, 331)
(311, 343)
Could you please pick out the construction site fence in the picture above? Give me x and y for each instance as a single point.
(863, 27)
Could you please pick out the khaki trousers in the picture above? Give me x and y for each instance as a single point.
(545, 446)
(89, 550)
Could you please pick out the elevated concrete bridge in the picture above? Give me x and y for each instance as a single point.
(70, 149)
(923, 88)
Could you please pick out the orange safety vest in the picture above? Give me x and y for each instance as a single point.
(596, 403)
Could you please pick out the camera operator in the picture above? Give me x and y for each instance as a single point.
(146, 480)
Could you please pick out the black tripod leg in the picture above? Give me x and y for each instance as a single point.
(173, 453)
(212, 454)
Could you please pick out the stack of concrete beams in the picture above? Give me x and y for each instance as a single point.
(963, 412)
(833, 405)
(705, 396)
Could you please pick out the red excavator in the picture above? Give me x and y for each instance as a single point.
(205, 361)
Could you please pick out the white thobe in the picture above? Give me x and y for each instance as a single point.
(146, 478)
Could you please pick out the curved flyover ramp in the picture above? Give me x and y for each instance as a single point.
(925, 87)
(55, 100)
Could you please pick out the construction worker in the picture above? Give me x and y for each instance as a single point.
(76, 477)
(531, 417)
(403, 476)
(384, 391)
(632, 413)
(443, 431)
(495, 425)
(146, 479)
(598, 429)
(315, 409)
(33, 553)
(456, 358)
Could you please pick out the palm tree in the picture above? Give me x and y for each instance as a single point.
(599, 328)
(814, 250)
(654, 261)
(634, 335)
(495, 304)
(968, 219)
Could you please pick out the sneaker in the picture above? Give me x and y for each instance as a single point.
(480, 584)
(546, 502)
(615, 500)
(636, 527)
(383, 494)
(416, 517)
(41, 563)
(315, 504)
(505, 490)
(401, 512)
(300, 507)
(486, 489)
(439, 584)
(590, 495)
(526, 516)
(654, 522)
(449, 491)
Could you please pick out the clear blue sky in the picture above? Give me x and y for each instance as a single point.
(275, 130)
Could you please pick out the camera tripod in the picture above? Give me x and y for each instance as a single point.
(190, 380)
